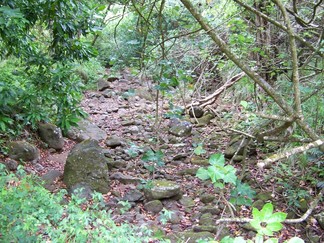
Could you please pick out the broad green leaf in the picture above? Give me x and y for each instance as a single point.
(257, 215)
(256, 225)
(276, 226)
(295, 240)
(244, 104)
(202, 174)
(215, 174)
(267, 211)
(199, 150)
(217, 159)
(277, 217)
(219, 185)
(265, 231)
(272, 240)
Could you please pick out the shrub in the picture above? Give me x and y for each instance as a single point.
(30, 213)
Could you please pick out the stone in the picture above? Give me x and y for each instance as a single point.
(114, 142)
(143, 93)
(49, 179)
(205, 120)
(133, 196)
(207, 198)
(154, 206)
(187, 202)
(196, 112)
(235, 144)
(188, 171)
(193, 237)
(206, 219)
(87, 164)
(52, 135)
(82, 190)
(196, 160)
(103, 85)
(125, 179)
(210, 209)
(175, 217)
(264, 196)
(205, 228)
(11, 164)
(320, 219)
(181, 129)
(258, 204)
(21, 150)
(162, 189)
(86, 130)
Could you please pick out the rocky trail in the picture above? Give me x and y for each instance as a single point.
(122, 120)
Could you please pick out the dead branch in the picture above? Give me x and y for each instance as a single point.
(286, 139)
(275, 117)
(213, 97)
(287, 154)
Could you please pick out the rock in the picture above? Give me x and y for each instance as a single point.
(82, 190)
(210, 209)
(196, 160)
(187, 202)
(49, 179)
(134, 129)
(11, 164)
(206, 219)
(116, 163)
(162, 189)
(133, 196)
(205, 120)
(86, 130)
(207, 198)
(320, 219)
(188, 171)
(175, 217)
(193, 237)
(154, 206)
(114, 142)
(196, 112)
(125, 179)
(264, 196)
(107, 93)
(233, 146)
(21, 150)
(87, 164)
(180, 128)
(144, 94)
(205, 228)
(52, 135)
(103, 84)
(258, 204)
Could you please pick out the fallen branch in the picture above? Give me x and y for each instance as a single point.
(213, 97)
(287, 221)
(287, 154)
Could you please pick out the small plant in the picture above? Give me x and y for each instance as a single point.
(165, 216)
(220, 175)
(124, 206)
(152, 159)
(199, 150)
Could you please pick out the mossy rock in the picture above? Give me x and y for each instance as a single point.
(87, 164)
(162, 189)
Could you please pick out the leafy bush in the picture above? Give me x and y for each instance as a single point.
(30, 213)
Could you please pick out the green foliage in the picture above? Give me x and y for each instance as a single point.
(265, 221)
(124, 206)
(242, 194)
(165, 216)
(199, 150)
(152, 159)
(46, 217)
(218, 172)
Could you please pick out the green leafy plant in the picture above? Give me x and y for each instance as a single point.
(218, 172)
(49, 217)
(199, 150)
(242, 194)
(152, 159)
(165, 215)
(124, 206)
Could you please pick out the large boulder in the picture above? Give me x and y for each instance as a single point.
(52, 135)
(87, 164)
(86, 130)
(162, 189)
(21, 150)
